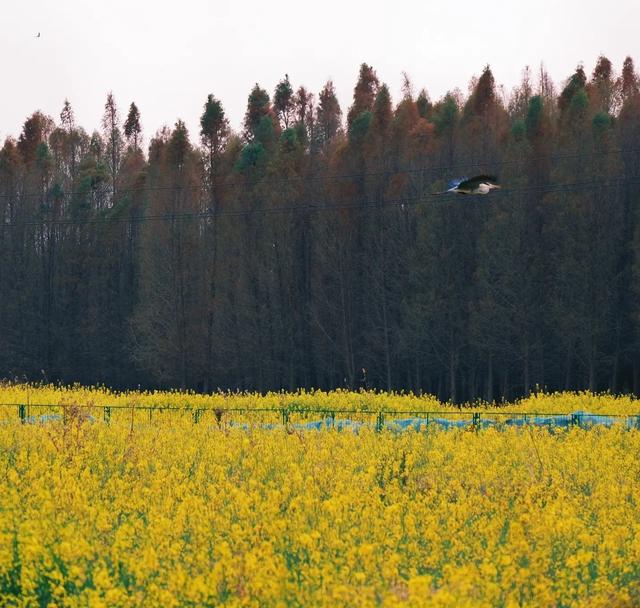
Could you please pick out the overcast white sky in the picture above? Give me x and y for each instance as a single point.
(168, 55)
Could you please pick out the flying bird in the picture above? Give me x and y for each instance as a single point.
(38, 36)
(481, 184)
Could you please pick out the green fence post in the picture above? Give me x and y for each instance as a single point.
(285, 416)
(379, 422)
(107, 414)
(476, 419)
(22, 412)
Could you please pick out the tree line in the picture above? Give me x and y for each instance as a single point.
(306, 250)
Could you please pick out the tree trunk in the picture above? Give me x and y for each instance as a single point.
(489, 391)
(567, 370)
(526, 378)
(452, 377)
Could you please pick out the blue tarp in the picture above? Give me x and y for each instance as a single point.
(422, 423)
(581, 419)
(44, 418)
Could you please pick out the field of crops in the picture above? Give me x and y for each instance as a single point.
(93, 399)
(184, 514)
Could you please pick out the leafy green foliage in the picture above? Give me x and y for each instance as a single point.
(252, 156)
(359, 128)
(445, 114)
(579, 102)
(265, 132)
(213, 123)
(258, 106)
(283, 101)
(602, 121)
(576, 83)
(289, 140)
(132, 128)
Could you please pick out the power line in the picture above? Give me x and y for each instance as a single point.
(323, 207)
(337, 176)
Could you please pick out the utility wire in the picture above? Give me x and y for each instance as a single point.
(323, 207)
(431, 169)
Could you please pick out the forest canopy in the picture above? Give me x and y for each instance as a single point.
(306, 250)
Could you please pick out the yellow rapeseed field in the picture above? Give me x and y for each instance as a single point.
(174, 513)
(339, 400)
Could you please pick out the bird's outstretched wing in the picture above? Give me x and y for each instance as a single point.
(473, 182)
(451, 187)
(480, 184)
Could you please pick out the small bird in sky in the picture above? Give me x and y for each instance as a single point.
(38, 35)
(481, 184)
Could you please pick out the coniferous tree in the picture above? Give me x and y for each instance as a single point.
(132, 128)
(424, 104)
(168, 333)
(35, 131)
(304, 115)
(603, 90)
(283, 102)
(214, 131)
(258, 107)
(629, 85)
(329, 114)
(363, 94)
(73, 141)
(113, 139)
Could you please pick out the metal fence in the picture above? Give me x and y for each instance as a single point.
(303, 419)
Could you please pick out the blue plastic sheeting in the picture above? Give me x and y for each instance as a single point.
(517, 421)
(581, 419)
(270, 426)
(584, 419)
(316, 425)
(348, 425)
(45, 418)
(404, 424)
(340, 424)
(555, 421)
(446, 423)
(422, 423)
(243, 425)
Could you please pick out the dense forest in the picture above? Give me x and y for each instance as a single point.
(307, 250)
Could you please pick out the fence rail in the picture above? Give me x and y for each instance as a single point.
(303, 419)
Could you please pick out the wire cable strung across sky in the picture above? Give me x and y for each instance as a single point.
(339, 176)
(322, 207)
